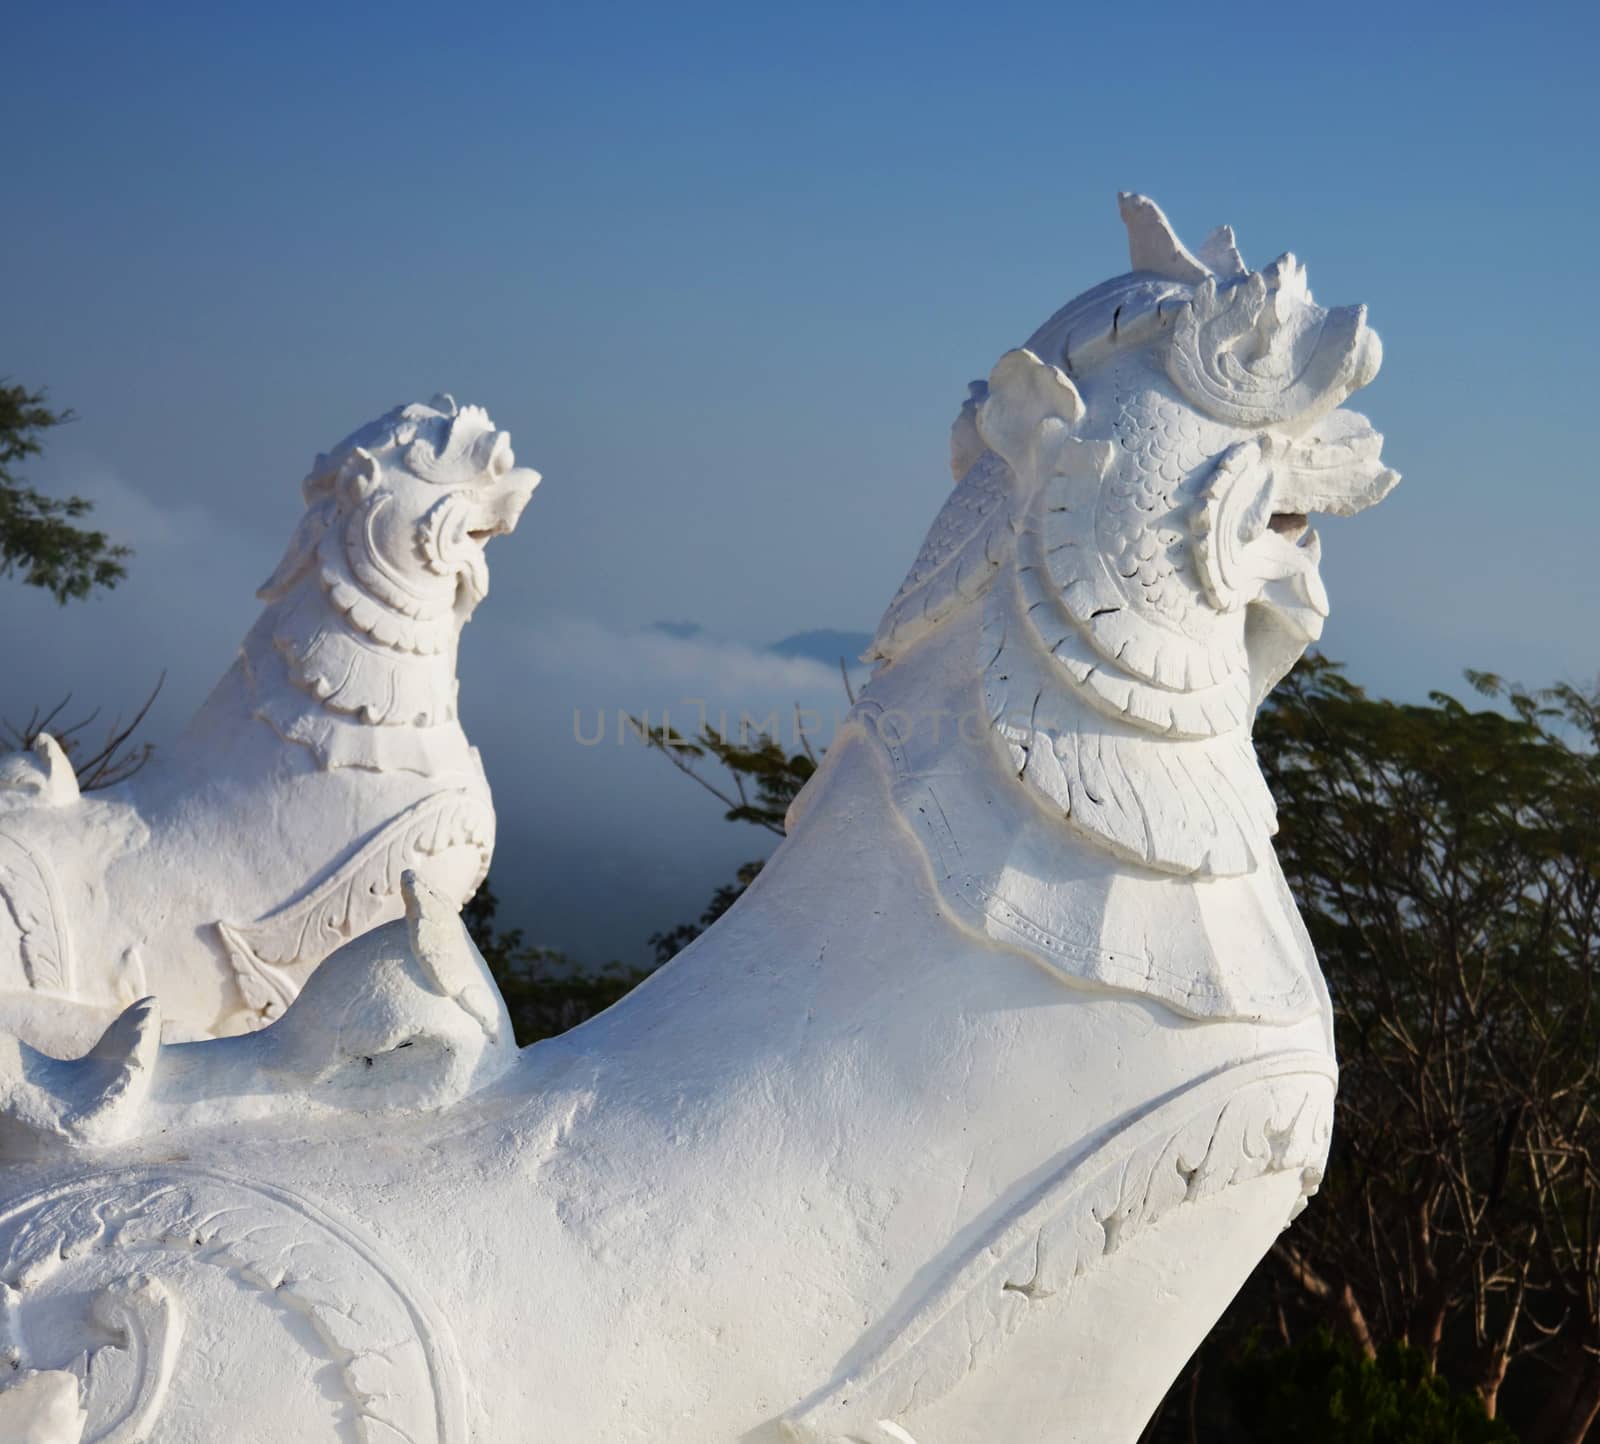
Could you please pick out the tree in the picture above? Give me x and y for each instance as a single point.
(545, 991)
(114, 760)
(39, 535)
(1447, 864)
(1327, 1390)
(762, 780)
(40, 539)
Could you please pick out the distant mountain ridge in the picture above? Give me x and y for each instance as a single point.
(825, 646)
(681, 630)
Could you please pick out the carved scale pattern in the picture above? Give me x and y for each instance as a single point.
(964, 548)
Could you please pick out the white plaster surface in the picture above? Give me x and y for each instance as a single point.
(961, 1127)
(325, 762)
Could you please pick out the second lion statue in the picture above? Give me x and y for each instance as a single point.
(962, 1126)
(327, 760)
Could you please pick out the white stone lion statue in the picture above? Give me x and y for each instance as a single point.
(327, 760)
(961, 1127)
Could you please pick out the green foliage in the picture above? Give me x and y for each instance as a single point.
(762, 780)
(1324, 1390)
(1446, 861)
(669, 944)
(545, 991)
(39, 537)
(1447, 864)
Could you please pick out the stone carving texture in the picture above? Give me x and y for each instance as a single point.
(272, 957)
(1016, 1051)
(328, 760)
(405, 1018)
(90, 1279)
(1270, 1118)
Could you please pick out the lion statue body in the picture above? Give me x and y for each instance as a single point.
(963, 1125)
(328, 759)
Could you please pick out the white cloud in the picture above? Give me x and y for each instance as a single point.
(128, 515)
(649, 670)
(600, 845)
(602, 842)
(182, 609)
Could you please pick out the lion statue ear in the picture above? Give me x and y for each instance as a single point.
(966, 441)
(324, 492)
(1028, 401)
(358, 474)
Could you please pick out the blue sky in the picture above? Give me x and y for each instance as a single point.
(724, 271)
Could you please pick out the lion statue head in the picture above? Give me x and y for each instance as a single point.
(392, 546)
(1134, 487)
